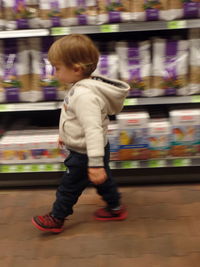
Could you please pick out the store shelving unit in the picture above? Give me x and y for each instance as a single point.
(132, 164)
(129, 102)
(107, 28)
(174, 167)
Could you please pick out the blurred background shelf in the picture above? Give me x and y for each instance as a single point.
(127, 172)
(12, 107)
(105, 28)
(54, 105)
(24, 33)
(132, 164)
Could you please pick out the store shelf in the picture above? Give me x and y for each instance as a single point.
(29, 106)
(54, 105)
(128, 27)
(31, 168)
(24, 33)
(106, 28)
(162, 100)
(156, 163)
(57, 167)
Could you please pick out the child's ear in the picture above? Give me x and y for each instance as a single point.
(77, 68)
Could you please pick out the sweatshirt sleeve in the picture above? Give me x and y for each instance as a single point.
(88, 111)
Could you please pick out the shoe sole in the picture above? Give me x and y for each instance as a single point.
(53, 230)
(121, 218)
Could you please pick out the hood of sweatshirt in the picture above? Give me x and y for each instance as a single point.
(112, 91)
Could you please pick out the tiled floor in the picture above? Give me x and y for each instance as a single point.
(163, 230)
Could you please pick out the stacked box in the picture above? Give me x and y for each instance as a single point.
(159, 135)
(185, 132)
(113, 137)
(133, 136)
(30, 146)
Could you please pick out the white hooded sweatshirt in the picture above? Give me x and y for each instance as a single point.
(84, 116)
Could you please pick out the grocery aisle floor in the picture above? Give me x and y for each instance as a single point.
(163, 230)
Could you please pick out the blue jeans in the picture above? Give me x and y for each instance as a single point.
(75, 180)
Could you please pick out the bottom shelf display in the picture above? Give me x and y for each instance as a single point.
(24, 168)
(156, 163)
(59, 167)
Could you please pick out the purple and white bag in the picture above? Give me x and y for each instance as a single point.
(108, 65)
(135, 66)
(194, 80)
(21, 14)
(150, 10)
(170, 67)
(15, 71)
(113, 11)
(81, 12)
(184, 9)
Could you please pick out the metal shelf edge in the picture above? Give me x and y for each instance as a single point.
(57, 166)
(105, 28)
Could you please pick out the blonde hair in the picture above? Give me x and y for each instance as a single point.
(75, 49)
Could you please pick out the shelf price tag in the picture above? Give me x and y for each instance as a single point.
(130, 164)
(113, 165)
(5, 168)
(109, 28)
(181, 162)
(196, 99)
(49, 168)
(177, 24)
(156, 163)
(130, 102)
(60, 31)
(3, 107)
(62, 167)
(34, 168)
(27, 168)
(20, 168)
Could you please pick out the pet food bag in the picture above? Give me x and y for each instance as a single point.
(170, 68)
(53, 13)
(82, 12)
(194, 72)
(185, 132)
(2, 92)
(113, 11)
(135, 66)
(159, 134)
(133, 136)
(44, 84)
(15, 71)
(108, 66)
(149, 10)
(188, 9)
(21, 14)
(113, 137)
(2, 22)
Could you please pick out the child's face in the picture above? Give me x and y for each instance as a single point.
(68, 75)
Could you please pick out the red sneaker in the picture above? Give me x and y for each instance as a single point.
(48, 223)
(107, 214)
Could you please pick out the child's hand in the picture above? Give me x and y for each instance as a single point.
(97, 175)
(60, 143)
